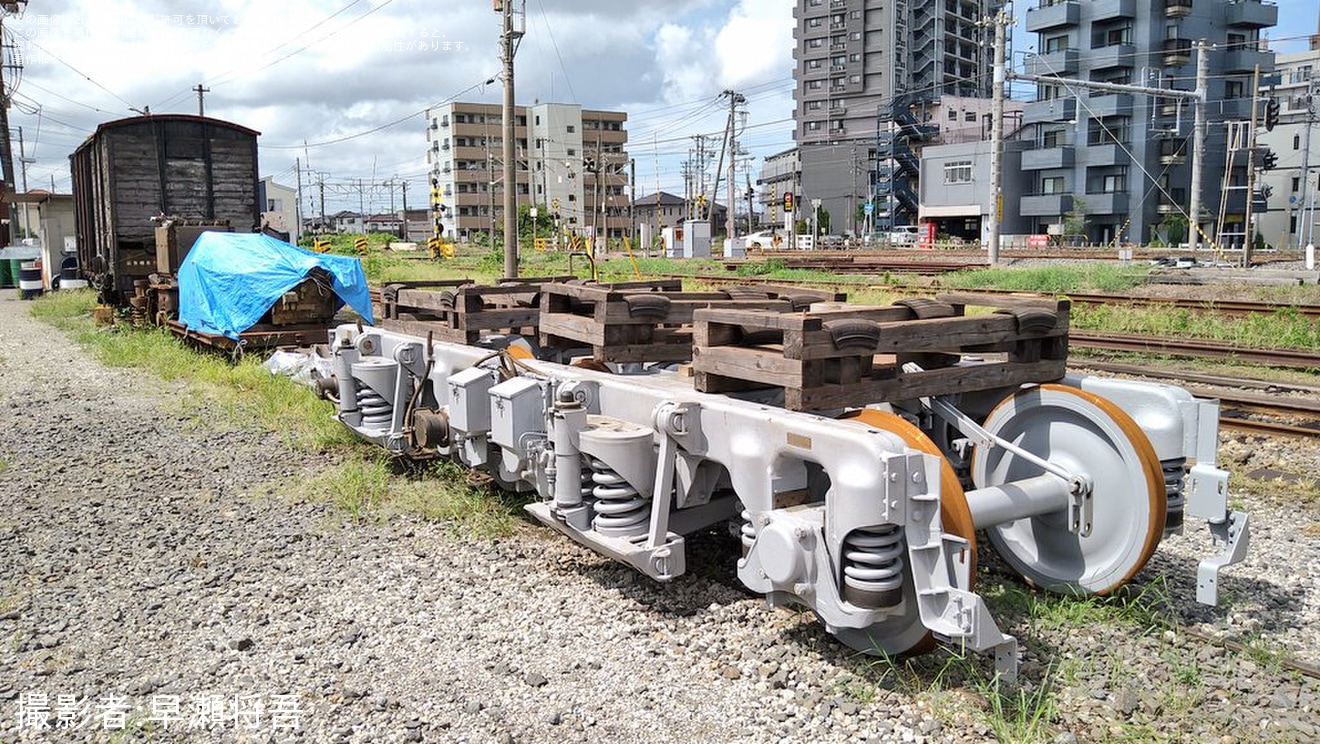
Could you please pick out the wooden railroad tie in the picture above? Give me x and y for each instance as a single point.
(837, 356)
(647, 321)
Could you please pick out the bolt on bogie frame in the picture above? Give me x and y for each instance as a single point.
(862, 516)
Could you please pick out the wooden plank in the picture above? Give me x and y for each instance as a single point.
(489, 320)
(757, 319)
(986, 300)
(935, 334)
(752, 365)
(948, 381)
(574, 327)
(440, 330)
(683, 310)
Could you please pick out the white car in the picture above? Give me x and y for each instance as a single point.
(765, 240)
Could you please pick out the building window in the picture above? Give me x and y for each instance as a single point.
(1234, 89)
(813, 64)
(814, 84)
(1052, 185)
(1296, 183)
(1056, 43)
(970, 117)
(815, 43)
(958, 171)
(570, 129)
(1051, 138)
(1109, 131)
(1297, 141)
(814, 22)
(953, 115)
(1111, 36)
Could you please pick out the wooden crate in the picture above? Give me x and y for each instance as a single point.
(461, 313)
(646, 321)
(837, 356)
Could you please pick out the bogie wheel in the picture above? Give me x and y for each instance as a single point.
(1089, 436)
(906, 636)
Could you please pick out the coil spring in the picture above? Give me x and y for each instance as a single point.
(376, 411)
(588, 483)
(873, 566)
(746, 532)
(1174, 472)
(620, 510)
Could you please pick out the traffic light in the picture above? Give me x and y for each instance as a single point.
(1269, 160)
(1271, 114)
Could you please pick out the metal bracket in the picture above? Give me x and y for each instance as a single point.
(979, 435)
(1237, 535)
(1080, 511)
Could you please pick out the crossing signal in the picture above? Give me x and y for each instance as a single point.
(1271, 114)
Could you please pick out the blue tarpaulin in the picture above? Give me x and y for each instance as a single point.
(229, 280)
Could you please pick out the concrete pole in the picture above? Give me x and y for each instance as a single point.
(1001, 21)
(1198, 144)
(510, 166)
(1303, 234)
(1247, 243)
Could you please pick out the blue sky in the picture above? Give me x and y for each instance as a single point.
(350, 76)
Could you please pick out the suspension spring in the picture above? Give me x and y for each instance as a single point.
(620, 510)
(1174, 472)
(746, 532)
(376, 411)
(873, 566)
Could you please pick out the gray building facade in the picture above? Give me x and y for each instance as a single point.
(1116, 163)
(853, 60)
(1290, 217)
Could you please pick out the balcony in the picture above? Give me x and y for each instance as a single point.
(1062, 62)
(1104, 10)
(1245, 60)
(1106, 154)
(1173, 203)
(1116, 55)
(1177, 8)
(1048, 158)
(1113, 104)
(1055, 109)
(1173, 152)
(1059, 14)
(1251, 14)
(1110, 202)
(1046, 205)
(1177, 52)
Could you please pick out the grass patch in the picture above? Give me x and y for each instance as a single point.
(1097, 277)
(244, 394)
(372, 487)
(1285, 328)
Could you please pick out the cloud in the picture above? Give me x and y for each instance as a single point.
(301, 75)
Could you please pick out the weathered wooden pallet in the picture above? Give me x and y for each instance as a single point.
(838, 356)
(647, 321)
(461, 313)
(261, 336)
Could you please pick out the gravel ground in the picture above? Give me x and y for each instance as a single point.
(147, 560)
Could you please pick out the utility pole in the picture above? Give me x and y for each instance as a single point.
(1251, 170)
(731, 226)
(297, 213)
(404, 237)
(632, 199)
(201, 99)
(6, 144)
(509, 41)
(1001, 21)
(321, 184)
(1198, 144)
(1303, 227)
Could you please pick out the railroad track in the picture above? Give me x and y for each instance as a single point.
(1194, 349)
(1230, 307)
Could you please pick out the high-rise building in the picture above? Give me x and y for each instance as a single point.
(571, 162)
(1291, 191)
(859, 61)
(1115, 166)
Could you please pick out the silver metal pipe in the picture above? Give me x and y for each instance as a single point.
(995, 505)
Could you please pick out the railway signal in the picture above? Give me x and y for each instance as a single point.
(1271, 114)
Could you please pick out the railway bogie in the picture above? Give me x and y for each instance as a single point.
(869, 516)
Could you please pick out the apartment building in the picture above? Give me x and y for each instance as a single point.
(1121, 160)
(572, 162)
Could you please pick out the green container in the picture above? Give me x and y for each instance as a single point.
(6, 275)
(14, 265)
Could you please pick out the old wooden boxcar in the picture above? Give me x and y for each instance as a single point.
(133, 170)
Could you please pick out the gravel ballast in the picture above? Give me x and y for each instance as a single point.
(150, 557)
